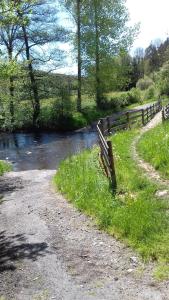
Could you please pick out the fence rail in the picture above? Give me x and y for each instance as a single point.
(111, 124)
(165, 112)
(128, 119)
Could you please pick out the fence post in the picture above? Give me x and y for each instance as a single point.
(147, 114)
(108, 124)
(102, 125)
(153, 109)
(112, 167)
(128, 119)
(160, 105)
(163, 115)
(143, 121)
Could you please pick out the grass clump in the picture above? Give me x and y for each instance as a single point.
(162, 272)
(154, 148)
(134, 214)
(4, 167)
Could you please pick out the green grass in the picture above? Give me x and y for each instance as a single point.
(134, 215)
(162, 271)
(4, 167)
(154, 148)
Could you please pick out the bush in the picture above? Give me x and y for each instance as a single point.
(144, 83)
(163, 80)
(134, 96)
(116, 102)
(4, 167)
(150, 93)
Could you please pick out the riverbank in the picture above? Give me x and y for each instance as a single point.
(58, 119)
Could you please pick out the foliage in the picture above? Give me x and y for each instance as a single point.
(134, 96)
(119, 100)
(154, 148)
(162, 78)
(134, 214)
(103, 33)
(144, 83)
(4, 167)
(151, 93)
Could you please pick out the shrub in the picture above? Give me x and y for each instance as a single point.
(134, 96)
(150, 93)
(144, 83)
(4, 167)
(116, 102)
(163, 80)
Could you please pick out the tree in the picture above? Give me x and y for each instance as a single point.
(75, 9)
(28, 26)
(9, 40)
(152, 58)
(37, 31)
(105, 33)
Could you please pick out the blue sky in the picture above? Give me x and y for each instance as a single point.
(154, 24)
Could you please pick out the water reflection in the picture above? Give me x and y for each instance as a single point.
(42, 150)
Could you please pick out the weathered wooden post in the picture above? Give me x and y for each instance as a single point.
(128, 119)
(153, 109)
(147, 114)
(112, 166)
(102, 125)
(163, 114)
(143, 120)
(108, 125)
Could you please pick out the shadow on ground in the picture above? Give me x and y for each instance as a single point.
(8, 185)
(13, 249)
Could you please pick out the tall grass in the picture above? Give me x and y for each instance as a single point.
(4, 167)
(154, 148)
(134, 214)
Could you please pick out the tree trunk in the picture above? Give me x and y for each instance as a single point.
(97, 58)
(11, 104)
(36, 106)
(79, 97)
(11, 88)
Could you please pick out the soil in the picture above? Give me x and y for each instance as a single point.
(49, 250)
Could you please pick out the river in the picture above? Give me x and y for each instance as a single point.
(37, 151)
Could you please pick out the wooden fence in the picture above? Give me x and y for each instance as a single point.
(129, 119)
(165, 112)
(111, 124)
(106, 156)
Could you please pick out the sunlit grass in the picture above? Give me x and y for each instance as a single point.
(4, 167)
(134, 214)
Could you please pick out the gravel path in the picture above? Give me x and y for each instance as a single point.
(49, 250)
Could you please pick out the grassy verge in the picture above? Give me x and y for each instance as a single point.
(154, 148)
(4, 167)
(134, 214)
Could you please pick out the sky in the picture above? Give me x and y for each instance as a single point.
(153, 18)
(154, 24)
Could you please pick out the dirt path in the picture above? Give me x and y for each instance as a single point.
(48, 250)
(149, 170)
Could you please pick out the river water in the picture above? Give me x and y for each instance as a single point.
(37, 151)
